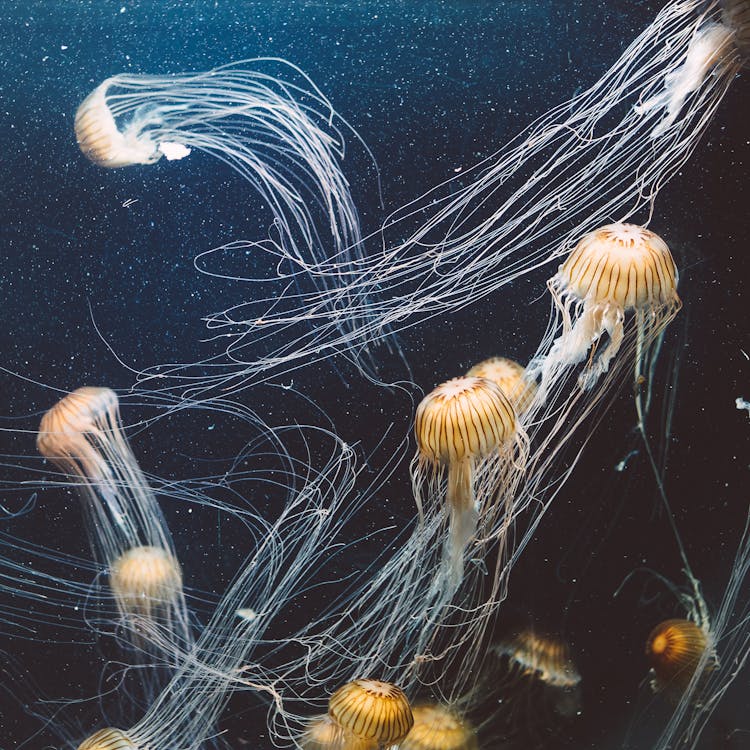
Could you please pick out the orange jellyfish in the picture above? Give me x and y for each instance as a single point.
(372, 710)
(466, 427)
(617, 269)
(509, 376)
(438, 727)
(676, 649)
(108, 739)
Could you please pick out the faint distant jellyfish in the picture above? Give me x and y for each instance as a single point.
(536, 688)
(83, 435)
(323, 733)
(618, 269)
(675, 650)
(467, 427)
(438, 727)
(372, 710)
(509, 376)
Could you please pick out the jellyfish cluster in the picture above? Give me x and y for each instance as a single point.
(366, 601)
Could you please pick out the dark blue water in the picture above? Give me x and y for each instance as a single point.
(430, 87)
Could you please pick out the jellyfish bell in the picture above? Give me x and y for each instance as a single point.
(146, 580)
(675, 650)
(509, 376)
(103, 142)
(439, 727)
(372, 710)
(463, 425)
(108, 739)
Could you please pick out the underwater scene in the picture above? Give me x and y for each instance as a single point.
(375, 375)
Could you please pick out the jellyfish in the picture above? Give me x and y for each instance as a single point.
(467, 427)
(438, 727)
(323, 733)
(530, 688)
(617, 269)
(372, 710)
(279, 136)
(108, 739)
(509, 376)
(675, 649)
(83, 435)
(285, 147)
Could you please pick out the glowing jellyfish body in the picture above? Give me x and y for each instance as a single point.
(438, 727)
(146, 581)
(509, 377)
(675, 649)
(464, 424)
(618, 269)
(372, 710)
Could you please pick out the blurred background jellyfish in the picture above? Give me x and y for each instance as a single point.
(510, 377)
(529, 692)
(466, 428)
(439, 727)
(83, 435)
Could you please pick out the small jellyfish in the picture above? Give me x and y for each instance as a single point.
(509, 376)
(146, 581)
(438, 727)
(469, 427)
(108, 739)
(323, 733)
(614, 270)
(372, 710)
(675, 649)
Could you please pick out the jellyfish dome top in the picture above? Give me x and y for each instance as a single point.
(372, 710)
(509, 376)
(438, 727)
(469, 427)
(675, 649)
(85, 410)
(736, 16)
(143, 578)
(108, 739)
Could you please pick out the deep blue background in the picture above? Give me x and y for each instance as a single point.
(430, 87)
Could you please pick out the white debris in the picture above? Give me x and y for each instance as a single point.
(173, 151)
